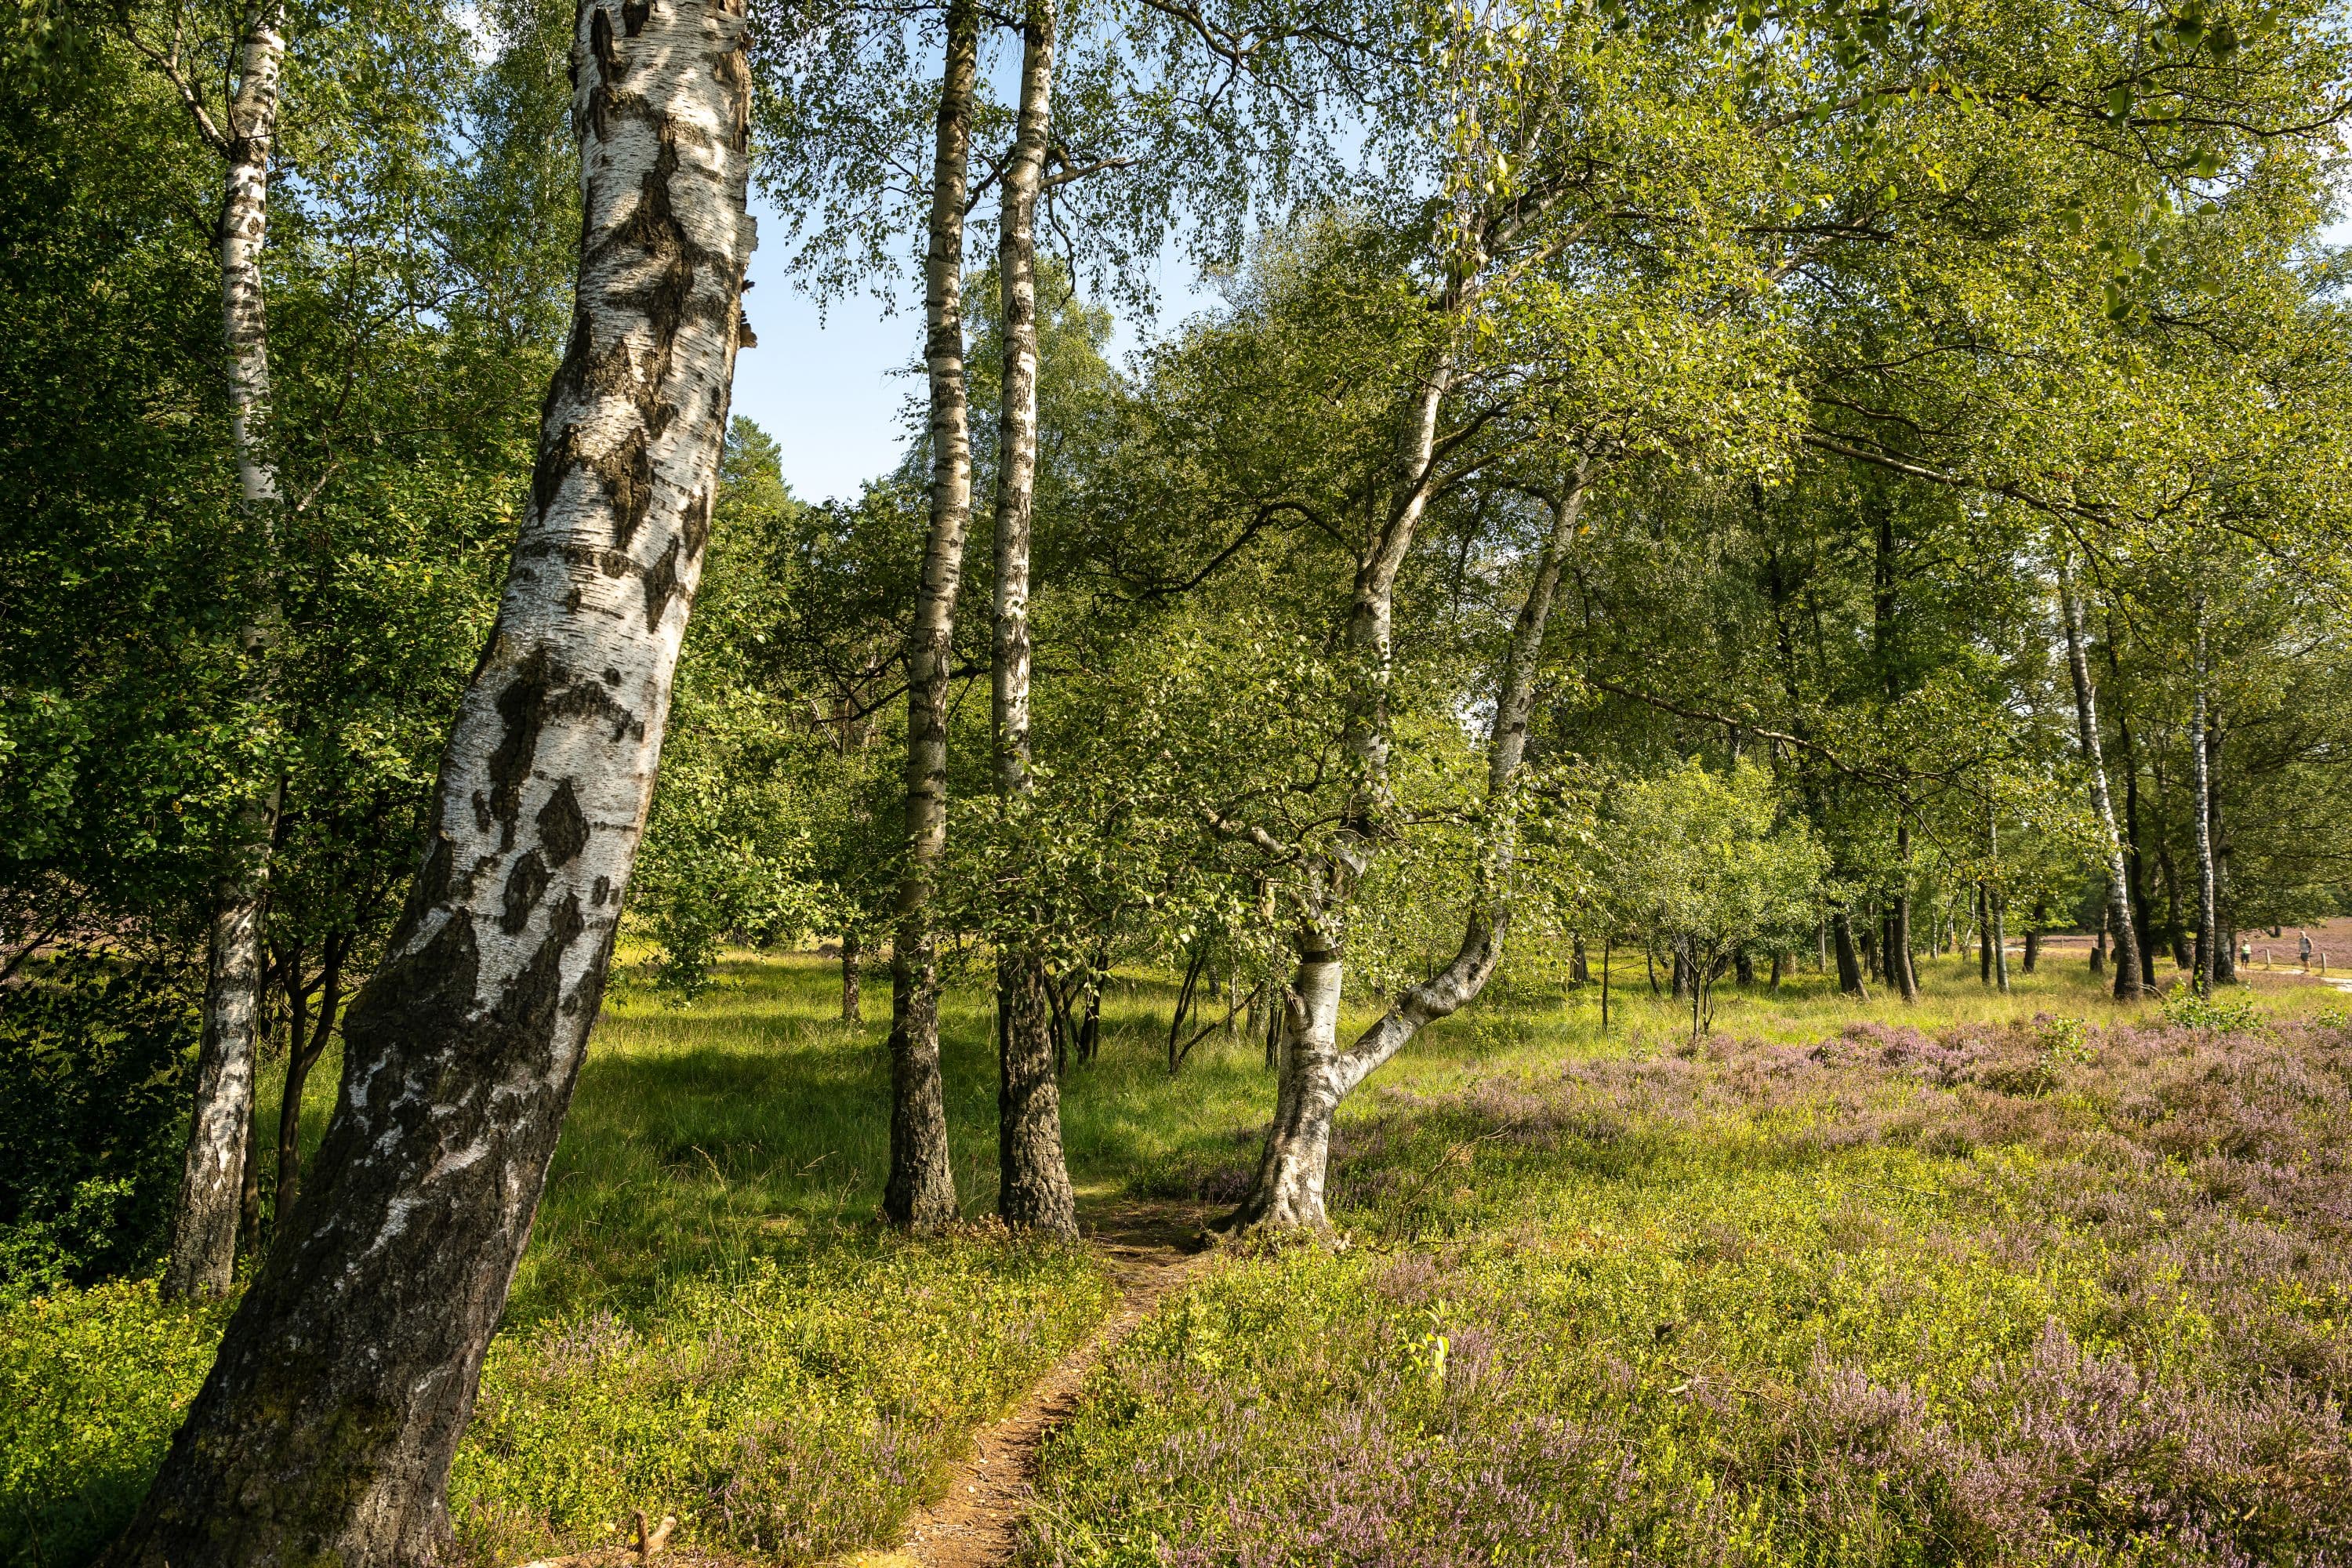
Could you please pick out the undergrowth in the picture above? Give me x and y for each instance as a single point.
(2035, 1294)
(1587, 1268)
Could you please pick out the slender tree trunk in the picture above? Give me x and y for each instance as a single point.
(301, 1057)
(2207, 911)
(1315, 1075)
(2099, 946)
(324, 1431)
(206, 1219)
(1608, 945)
(2176, 928)
(2119, 915)
(1899, 933)
(2000, 940)
(920, 1192)
(1848, 961)
(853, 966)
(2033, 936)
(1984, 932)
(2225, 958)
(1033, 1185)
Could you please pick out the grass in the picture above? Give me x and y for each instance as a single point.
(2013, 1291)
(709, 1322)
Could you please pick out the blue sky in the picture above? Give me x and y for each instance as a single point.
(833, 392)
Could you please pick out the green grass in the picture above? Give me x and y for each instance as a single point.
(709, 1321)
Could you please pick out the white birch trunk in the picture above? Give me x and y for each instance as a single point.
(1316, 1076)
(2086, 728)
(2208, 902)
(1032, 1181)
(325, 1430)
(920, 1188)
(203, 1258)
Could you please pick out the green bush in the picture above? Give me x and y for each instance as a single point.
(95, 1058)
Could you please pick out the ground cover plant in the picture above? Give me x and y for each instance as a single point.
(2023, 1291)
(709, 1323)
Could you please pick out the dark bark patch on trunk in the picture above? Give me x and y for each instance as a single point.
(418, 992)
(661, 586)
(522, 709)
(634, 14)
(696, 525)
(525, 883)
(562, 826)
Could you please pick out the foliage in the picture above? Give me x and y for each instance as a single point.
(95, 1060)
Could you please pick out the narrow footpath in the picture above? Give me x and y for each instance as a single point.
(1149, 1249)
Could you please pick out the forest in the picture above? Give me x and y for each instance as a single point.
(1581, 796)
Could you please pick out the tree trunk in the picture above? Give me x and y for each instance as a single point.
(1579, 972)
(325, 1429)
(920, 1192)
(1984, 932)
(2119, 916)
(852, 964)
(206, 1221)
(1033, 1186)
(1999, 902)
(1899, 925)
(2099, 946)
(2176, 928)
(1849, 962)
(2225, 958)
(1315, 1076)
(2033, 935)
(301, 1057)
(2200, 759)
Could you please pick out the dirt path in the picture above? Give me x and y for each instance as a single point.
(1151, 1251)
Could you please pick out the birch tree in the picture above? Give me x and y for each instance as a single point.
(205, 1221)
(1033, 1185)
(326, 1426)
(920, 1189)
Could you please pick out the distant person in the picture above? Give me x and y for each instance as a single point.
(2303, 938)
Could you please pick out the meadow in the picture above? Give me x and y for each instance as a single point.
(1994, 1278)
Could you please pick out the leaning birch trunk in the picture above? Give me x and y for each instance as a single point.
(204, 1222)
(1032, 1183)
(2087, 729)
(325, 1429)
(2207, 920)
(920, 1190)
(1316, 1074)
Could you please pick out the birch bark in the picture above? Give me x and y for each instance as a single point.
(2208, 913)
(1316, 1074)
(2087, 729)
(204, 1222)
(325, 1429)
(920, 1190)
(1032, 1181)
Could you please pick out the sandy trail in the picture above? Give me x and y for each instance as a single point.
(1149, 1249)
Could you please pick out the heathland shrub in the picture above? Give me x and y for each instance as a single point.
(2034, 1295)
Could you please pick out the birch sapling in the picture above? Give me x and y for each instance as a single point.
(325, 1429)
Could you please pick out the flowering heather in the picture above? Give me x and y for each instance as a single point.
(2035, 1294)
